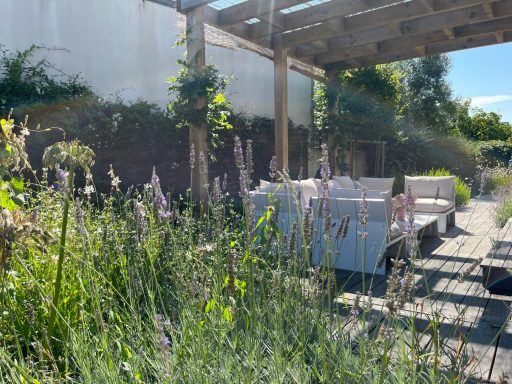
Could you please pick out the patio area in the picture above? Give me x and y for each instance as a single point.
(469, 315)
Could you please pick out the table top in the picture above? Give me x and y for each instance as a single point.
(422, 220)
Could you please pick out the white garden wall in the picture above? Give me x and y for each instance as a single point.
(127, 46)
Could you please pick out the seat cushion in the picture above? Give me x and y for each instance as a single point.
(382, 184)
(430, 205)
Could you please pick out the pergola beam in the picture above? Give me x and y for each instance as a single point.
(281, 103)
(431, 49)
(417, 42)
(412, 12)
(445, 22)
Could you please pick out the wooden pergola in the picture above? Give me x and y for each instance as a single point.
(339, 34)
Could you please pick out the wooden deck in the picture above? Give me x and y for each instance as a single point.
(469, 313)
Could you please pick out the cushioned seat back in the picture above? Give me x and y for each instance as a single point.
(426, 186)
(382, 184)
(345, 193)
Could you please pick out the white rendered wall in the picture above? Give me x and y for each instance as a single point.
(127, 46)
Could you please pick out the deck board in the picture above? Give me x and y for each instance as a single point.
(470, 315)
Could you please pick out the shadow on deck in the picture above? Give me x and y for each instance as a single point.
(448, 283)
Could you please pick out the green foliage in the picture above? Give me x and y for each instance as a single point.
(190, 85)
(497, 180)
(428, 95)
(24, 83)
(419, 152)
(370, 101)
(481, 126)
(495, 152)
(13, 159)
(503, 211)
(462, 190)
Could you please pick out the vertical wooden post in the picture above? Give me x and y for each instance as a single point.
(198, 133)
(333, 114)
(281, 102)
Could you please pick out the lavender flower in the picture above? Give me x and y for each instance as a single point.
(244, 184)
(225, 182)
(239, 155)
(159, 200)
(308, 226)
(412, 234)
(343, 227)
(202, 164)
(163, 341)
(249, 160)
(62, 181)
(142, 225)
(192, 156)
(273, 168)
(363, 208)
(79, 218)
(325, 171)
(216, 191)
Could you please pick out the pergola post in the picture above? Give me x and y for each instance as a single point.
(281, 102)
(198, 133)
(333, 117)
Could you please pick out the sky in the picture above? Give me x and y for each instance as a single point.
(484, 75)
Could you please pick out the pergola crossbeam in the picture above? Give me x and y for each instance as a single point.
(345, 34)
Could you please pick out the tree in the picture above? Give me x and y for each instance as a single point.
(428, 95)
(483, 126)
(370, 101)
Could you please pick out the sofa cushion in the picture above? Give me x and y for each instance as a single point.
(382, 184)
(426, 186)
(430, 205)
(308, 190)
(344, 181)
(346, 193)
(318, 183)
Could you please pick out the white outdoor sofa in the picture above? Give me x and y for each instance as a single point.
(347, 251)
(425, 188)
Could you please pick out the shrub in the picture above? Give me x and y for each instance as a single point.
(497, 180)
(495, 152)
(503, 211)
(462, 190)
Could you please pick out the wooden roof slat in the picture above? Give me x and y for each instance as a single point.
(410, 54)
(317, 14)
(418, 42)
(352, 33)
(251, 9)
(401, 12)
(443, 21)
(187, 5)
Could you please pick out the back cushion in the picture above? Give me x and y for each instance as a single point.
(344, 181)
(382, 184)
(309, 190)
(426, 186)
(345, 193)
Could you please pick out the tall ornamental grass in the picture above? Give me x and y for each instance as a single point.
(159, 291)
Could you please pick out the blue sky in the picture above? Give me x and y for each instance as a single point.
(485, 75)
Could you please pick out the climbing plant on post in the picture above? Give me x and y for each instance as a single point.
(198, 102)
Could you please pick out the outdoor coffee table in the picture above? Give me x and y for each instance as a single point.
(426, 226)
